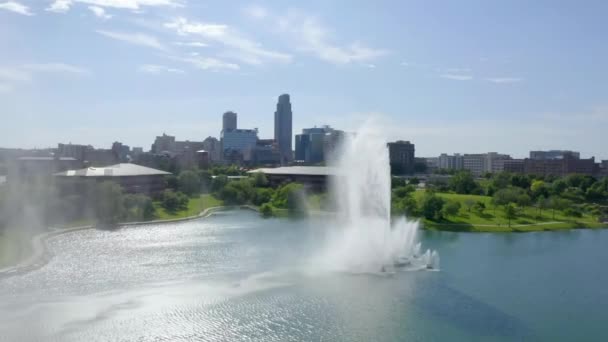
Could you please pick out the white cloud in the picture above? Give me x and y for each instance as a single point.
(133, 38)
(502, 80)
(5, 88)
(157, 69)
(10, 77)
(239, 46)
(62, 6)
(14, 75)
(100, 12)
(206, 63)
(256, 12)
(457, 77)
(55, 67)
(191, 44)
(312, 36)
(16, 7)
(59, 6)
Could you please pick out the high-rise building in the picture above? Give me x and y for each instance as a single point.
(283, 128)
(311, 143)
(238, 141)
(213, 146)
(402, 157)
(164, 143)
(229, 121)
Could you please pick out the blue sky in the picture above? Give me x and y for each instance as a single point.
(451, 76)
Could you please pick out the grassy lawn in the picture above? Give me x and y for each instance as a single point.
(195, 206)
(493, 219)
(14, 246)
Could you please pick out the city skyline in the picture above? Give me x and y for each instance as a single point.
(94, 72)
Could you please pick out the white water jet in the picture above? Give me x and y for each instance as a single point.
(363, 240)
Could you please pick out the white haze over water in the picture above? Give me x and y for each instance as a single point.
(363, 238)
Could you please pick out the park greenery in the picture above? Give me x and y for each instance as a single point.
(504, 202)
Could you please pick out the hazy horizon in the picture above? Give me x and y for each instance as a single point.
(452, 77)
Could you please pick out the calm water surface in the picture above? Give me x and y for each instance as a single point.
(236, 277)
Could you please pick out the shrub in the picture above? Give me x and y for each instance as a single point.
(266, 210)
(189, 183)
(174, 201)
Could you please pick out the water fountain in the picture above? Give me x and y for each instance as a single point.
(367, 239)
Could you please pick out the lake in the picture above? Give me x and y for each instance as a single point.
(237, 277)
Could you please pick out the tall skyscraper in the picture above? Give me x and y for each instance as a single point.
(229, 121)
(283, 128)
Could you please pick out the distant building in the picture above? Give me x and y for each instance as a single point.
(283, 128)
(554, 154)
(432, 164)
(447, 162)
(237, 141)
(402, 157)
(121, 151)
(131, 177)
(100, 157)
(495, 162)
(560, 167)
(229, 121)
(475, 163)
(332, 143)
(135, 151)
(213, 146)
(73, 151)
(314, 177)
(513, 166)
(265, 152)
(310, 144)
(604, 168)
(31, 168)
(163, 143)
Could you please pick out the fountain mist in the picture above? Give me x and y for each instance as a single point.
(365, 240)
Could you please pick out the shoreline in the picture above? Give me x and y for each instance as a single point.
(41, 255)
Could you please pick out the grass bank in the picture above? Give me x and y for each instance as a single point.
(14, 246)
(493, 219)
(195, 206)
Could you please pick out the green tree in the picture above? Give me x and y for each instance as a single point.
(218, 183)
(414, 181)
(469, 203)
(174, 201)
(510, 213)
(172, 182)
(403, 191)
(286, 196)
(260, 180)
(463, 183)
(405, 206)
(558, 187)
(451, 208)
(432, 206)
(261, 196)
(542, 203)
(138, 207)
(108, 203)
(205, 179)
(557, 203)
(189, 183)
(479, 207)
(539, 188)
(266, 210)
(397, 182)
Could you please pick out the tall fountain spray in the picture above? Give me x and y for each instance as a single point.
(364, 240)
